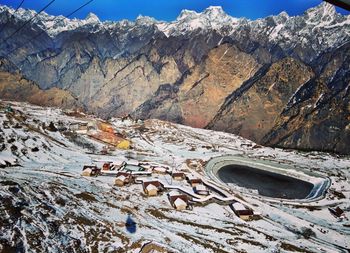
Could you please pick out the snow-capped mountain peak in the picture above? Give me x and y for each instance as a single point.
(212, 18)
(145, 20)
(187, 14)
(281, 28)
(321, 13)
(92, 18)
(215, 12)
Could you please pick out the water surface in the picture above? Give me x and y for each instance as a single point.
(267, 183)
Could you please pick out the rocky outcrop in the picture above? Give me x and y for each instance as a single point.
(318, 116)
(253, 113)
(197, 98)
(13, 86)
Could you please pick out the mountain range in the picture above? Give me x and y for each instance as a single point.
(280, 81)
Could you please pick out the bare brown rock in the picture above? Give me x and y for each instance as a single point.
(255, 112)
(14, 87)
(204, 91)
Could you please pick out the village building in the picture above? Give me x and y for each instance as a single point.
(133, 163)
(177, 200)
(159, 170)
(145, 165)
(110, 139)
(90, 171)
(176, 175)
(193, 181)
(105, 127)
(120, 180)
(201, 190)
(123, 178)
(116, 165)
(242, 212)
(133, 168)
(151, 188)
(154, 164)
(184, 167)
(180, 204)
(106, 166)
(78, 127)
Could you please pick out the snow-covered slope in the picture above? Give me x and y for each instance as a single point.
(47, 206)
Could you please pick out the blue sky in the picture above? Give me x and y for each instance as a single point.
(168, 9)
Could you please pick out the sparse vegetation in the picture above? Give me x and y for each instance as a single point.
(80, 141)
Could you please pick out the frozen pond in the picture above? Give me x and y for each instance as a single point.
(267, 183)
(273, 180)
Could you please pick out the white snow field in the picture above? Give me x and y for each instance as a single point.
(47, 206)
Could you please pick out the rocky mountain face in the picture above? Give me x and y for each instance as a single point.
(13, 86)
(280, 81)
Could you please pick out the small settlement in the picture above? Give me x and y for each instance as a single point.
(102, 132)
(184, 190)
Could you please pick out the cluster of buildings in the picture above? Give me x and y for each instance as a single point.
(101, 131)
(183, 191)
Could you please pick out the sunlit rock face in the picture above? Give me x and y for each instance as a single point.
(257, 109)
(13, 86)
(280, 80)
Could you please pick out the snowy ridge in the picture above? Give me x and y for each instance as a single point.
(323, 21)
(213, 18)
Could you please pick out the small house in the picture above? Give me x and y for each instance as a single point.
(105, 127)
(201, 190)
(120, 180)
(193, 181)
(112, 169)
(78, 127)
(90, 171)
(124, 178)
(180, 204)
(176, 175)
(124, 144)
(107, 166)
(117, 165)
(151, 188)
(159, 170)
(242, 212)
(133, 163)
(178, 200)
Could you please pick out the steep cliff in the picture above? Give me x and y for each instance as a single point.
(13, 86)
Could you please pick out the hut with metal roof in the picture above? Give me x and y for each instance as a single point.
(242, 212)
(151, 188)
(178, 200)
